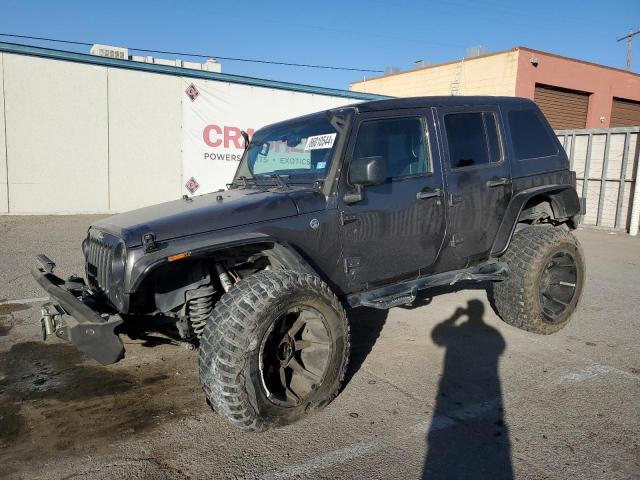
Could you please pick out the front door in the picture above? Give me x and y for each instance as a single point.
(398, 227)
(478, 179)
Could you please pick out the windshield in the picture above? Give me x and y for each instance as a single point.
(297, 152)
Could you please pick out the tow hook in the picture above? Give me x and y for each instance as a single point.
(49, 321)
(47, 324)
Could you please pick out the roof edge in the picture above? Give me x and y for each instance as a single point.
(435, 65)
(501, 52)
(64, 55)
(577, 60)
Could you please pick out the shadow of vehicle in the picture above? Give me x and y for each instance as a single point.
(468, 436)
(425, 297)
(366, 325)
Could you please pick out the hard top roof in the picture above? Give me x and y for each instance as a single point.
(441, 101)
(408, 103)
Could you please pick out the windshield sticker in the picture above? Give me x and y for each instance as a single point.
(321, 165)
(265, 149)
(319, 142)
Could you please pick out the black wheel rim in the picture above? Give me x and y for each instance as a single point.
(294, 356)
(558, 285)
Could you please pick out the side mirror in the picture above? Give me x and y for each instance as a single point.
(368, 171)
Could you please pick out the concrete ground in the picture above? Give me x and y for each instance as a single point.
(427, 396)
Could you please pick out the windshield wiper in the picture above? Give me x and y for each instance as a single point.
(244, 181)
(280, 179)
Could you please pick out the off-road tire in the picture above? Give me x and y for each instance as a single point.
(518, 298)
(230, 348)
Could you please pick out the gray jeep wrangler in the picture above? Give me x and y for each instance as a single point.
(357, 206)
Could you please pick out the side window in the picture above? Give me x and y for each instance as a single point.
(472, 138)
(401, 141)
(529, 135)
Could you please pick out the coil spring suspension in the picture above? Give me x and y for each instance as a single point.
(200, 307)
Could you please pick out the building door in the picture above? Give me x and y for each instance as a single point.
(625, 113)
(398, 227)
(478, 179)
(563, 108)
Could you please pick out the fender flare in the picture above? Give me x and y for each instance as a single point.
(146, 264)
(565, 204)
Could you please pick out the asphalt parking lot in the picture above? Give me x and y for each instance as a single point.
(440, 390)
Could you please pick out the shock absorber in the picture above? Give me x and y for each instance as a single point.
(200, 307)
(225, 281)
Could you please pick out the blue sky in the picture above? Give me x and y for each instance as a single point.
(359, 34)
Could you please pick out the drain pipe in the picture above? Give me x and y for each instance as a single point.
(635, 208)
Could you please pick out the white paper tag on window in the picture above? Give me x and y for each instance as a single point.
(318, 142)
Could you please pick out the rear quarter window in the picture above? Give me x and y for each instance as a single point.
(472, 138)
(530, 136)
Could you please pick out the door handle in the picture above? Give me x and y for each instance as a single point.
(496, 182)
(428, 194)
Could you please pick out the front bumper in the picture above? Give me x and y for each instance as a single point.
(71, 316)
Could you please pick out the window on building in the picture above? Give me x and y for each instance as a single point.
(401, 141)
(472, 138)
(530, 137)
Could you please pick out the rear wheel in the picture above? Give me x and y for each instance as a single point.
(275, 350)
(546, 277)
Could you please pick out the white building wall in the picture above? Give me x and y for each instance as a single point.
(56, 135)
(145, 162)
(4, 199)
(85, 138)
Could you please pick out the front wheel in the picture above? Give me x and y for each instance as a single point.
(275, 350)
(546, 277)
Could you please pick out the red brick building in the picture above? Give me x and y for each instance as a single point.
(572, 93)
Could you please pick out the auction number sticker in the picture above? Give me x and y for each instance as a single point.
(318, 142)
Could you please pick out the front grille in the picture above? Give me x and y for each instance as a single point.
(99, 260)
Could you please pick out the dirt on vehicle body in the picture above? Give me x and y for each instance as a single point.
(357, 206)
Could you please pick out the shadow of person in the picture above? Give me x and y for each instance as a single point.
(468, 437)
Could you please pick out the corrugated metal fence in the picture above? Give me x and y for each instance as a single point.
(606, 165)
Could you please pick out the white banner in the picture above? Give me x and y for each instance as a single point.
(213, 115)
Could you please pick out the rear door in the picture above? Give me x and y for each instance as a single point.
(398, 227)
(478, 179)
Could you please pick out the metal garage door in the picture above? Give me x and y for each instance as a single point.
(625, 113)
(563, 108)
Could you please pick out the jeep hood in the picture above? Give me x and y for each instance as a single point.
(213, 211)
